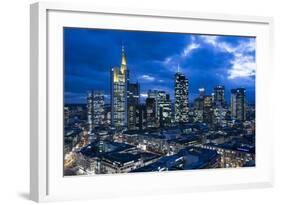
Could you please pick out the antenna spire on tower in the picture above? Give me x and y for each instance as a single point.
(123, 60)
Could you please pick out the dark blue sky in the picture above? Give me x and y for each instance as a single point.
(153, 58)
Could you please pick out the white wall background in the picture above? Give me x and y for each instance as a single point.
(14, 99)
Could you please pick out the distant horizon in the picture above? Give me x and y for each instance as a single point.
(152, 59)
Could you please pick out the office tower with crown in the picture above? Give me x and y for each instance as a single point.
(119, 87)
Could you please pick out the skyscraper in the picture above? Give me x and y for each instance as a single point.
(133, 96)
(219, 115)
(199, 106)
(238, 104)
(219, 95)
(208, 109)
(154, 94)
(119, 87)
(141, 116)
(164, 106)
(201, 92)
(95, 106)
(151, 117)
(181, 98)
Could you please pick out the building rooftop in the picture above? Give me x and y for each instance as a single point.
(99, 148)
(185, 159)
(121, 158)
(235, 145)
(204, 158)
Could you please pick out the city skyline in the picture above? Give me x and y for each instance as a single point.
(140, 118)
(153, 69)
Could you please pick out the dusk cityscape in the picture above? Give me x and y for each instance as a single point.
(139, 101)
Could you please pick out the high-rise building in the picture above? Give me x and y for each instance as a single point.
(164, 106)
(141, 117)
(199, 106)
(152, 94)
(151, 116)
(181, 98)
(208, 109)
(238, 104)
(201, 92)
(133, 97)
(119, 87)
(107, 114)
(219, 115)
(95, 106)
(219, 109)
(155, 95)
(219, 95)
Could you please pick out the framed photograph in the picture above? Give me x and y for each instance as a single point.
(127, 102)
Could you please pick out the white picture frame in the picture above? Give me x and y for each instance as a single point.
(46, 178)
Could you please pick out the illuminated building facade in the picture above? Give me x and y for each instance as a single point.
(154, 94)
(95, 106)
(219, 95)
(133, 95)
(164, 106)
(238, 104)
(219, 115)
(199, 106)
(181, 98)
(201, 92)
(141, 117)
(208, 109)
(151, 116)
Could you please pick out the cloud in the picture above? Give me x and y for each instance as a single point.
(147, 78)
(167, 60)
(172, 62)
(242, 66)
(243, 63)
(190, 47)
(214, 41)
(143, 95)
(209, 39)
